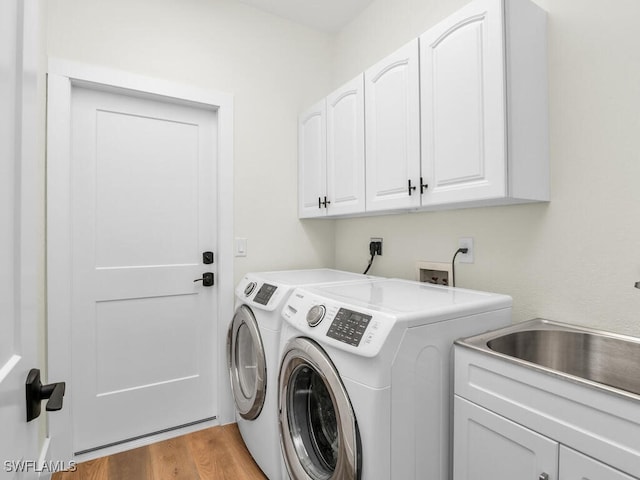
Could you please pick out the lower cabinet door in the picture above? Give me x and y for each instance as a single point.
(490, 447)
(576, 466)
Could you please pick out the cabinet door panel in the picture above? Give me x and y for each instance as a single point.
(490, 447)
(345, 149)
(392, 130)
(463, 106)
(576, 466)
(312, 161)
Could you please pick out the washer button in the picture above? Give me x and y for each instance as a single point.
(315, 315)
(248, 290)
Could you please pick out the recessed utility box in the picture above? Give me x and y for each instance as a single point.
(434, 272)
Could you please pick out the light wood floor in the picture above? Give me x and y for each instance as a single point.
(216, 453)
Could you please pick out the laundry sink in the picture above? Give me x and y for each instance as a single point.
(574, 387)
(600, 359)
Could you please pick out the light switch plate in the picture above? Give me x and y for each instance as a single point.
(241, 247)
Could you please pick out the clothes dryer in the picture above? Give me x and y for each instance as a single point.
(365, 385)
(252, 354)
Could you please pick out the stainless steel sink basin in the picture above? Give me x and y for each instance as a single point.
(598, 358)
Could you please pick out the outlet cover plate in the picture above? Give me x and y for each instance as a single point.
(465, 242)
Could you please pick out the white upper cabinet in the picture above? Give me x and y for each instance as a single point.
(456, 118)
(345, 149)
(484, 105)
(392, 125)
(312, 161)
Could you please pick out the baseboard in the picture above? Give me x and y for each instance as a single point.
(142, 442)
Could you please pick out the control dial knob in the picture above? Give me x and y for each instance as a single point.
(315, 315)
(248, 290)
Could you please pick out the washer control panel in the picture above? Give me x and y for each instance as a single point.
(349, 326)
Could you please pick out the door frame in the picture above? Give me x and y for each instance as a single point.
(62, 75)
(25, 227)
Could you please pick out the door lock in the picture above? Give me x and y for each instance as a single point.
(207, 279)
(207, 258)
(36, 392)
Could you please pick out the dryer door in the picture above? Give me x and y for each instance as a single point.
(318, 429)
(247, 365)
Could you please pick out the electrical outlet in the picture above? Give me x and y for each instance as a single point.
(465, 242)
(379, 240)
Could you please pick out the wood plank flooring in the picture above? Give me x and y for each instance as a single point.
(216, 453)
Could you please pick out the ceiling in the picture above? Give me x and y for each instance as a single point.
(325, 15)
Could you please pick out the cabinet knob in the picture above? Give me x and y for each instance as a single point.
(410, 187)
(423, 186)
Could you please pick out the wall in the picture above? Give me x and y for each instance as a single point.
(575, 259)
(273, 68)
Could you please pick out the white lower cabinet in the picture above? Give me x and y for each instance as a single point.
(576, 466)
(488, 446)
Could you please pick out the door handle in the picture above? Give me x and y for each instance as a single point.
(36, 392)
(207, 279)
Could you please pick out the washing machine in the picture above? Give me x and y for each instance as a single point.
(365, 383)
(252, 354)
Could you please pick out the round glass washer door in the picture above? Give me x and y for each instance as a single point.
(318, 429)
(247, 365)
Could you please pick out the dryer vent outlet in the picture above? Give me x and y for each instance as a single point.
(434, 272)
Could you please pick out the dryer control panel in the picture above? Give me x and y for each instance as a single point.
(347, 327)
(257, 293)
(265, 293)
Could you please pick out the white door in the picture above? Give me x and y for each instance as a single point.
(487, 446)
(312, 162)
(143, 347)
(18, 286)
(392, 126)
(345, 149)
(463, 106)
